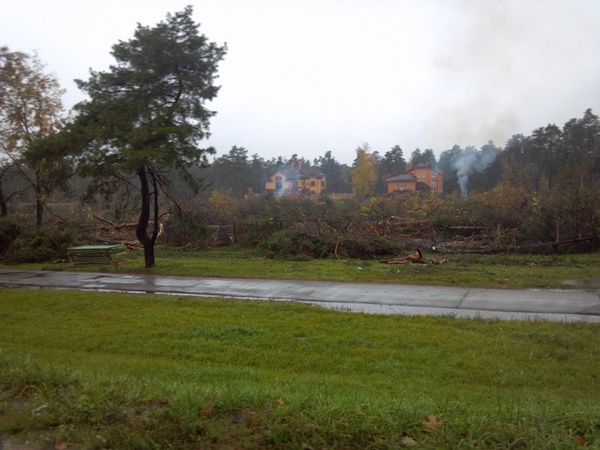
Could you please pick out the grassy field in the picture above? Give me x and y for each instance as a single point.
(500, 271)
(100, 370)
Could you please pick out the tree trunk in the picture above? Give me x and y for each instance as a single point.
(3, 207)
(149, 260)
(39, 207)
(142, 226)
(39, 202)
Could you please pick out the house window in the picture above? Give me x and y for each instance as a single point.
(278, 183)
(313, 183)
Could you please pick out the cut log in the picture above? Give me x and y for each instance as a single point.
(415, 258)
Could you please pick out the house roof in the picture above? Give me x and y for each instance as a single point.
(406, 177)
(423, 166)
(296, 174)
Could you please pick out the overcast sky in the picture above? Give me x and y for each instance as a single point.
(306, 77)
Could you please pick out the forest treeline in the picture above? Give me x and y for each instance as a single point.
(550, 157)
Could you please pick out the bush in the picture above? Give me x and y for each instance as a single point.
(9, 231)
(292, 244)
(255, 231)
(41, 245)
(186, 229)
(308, 240)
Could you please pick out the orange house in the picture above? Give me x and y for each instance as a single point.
(296, 179)
(420, 177)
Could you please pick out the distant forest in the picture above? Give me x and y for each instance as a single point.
(550, 156)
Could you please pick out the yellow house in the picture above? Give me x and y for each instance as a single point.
(296, 179)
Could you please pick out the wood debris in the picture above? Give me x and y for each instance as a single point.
(415, 258)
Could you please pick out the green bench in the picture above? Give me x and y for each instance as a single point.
(96, 254)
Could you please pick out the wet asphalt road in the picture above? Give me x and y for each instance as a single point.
(558, 305)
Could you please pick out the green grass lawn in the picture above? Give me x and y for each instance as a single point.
(499, 271)
(102, 370)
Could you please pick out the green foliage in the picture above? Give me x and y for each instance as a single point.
(505, 218)
(9, 232)
(324, 228)
(41, 245)
(150, 107)
(254, 231)
(553, 158)
(233, 172)
(185, 229)
(293, 243)
(30, 116)
(223, 205)
(338, 175)
(146, 115)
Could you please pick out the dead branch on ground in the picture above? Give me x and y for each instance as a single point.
(415, 258)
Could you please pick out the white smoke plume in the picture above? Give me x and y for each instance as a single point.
(469, 161)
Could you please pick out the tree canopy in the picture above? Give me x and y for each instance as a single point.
(147, 113)
(31, 111)
(232, 172)
(364, 174)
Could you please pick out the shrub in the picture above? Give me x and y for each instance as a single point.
(293, 244)
(310, 240)
(186, 229)
(41, 245)
(255, 231)
(9, 231)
